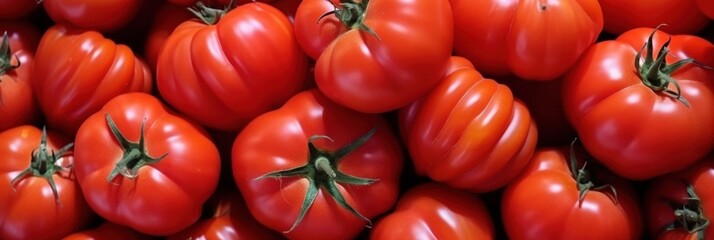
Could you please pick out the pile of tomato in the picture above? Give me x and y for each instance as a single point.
(356, 119)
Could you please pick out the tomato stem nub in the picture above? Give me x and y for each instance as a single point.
(582, 177)
(6, 56)
(210, 15)
(135, 154)
(351, 14)
(690, 215)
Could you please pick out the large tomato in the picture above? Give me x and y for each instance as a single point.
(468, 132)
(103, 16)
(17, 49)
(681, 16)
(40, 196)
(314, 169)
(142, 166)
(557, 197)
(12, 9)
(520, 36)
(75, 72)
(639, 116)
(681, 205)
(227, 73)
(376, 56)
(437, 211)
(167, 17)
(108, 231)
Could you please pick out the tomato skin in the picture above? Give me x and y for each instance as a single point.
(223, 75)
(633, 130)
(102, 16)
(32, 211)
(13, 9)
(277, 140)
(707, 7)
(681, 16)
(376, 75)
(436, 211)
(185, 178)
(469, 131)
(95, 70)
(543, 203)
(17, 103)
(108, 231)
(507, 37)
(167, 17)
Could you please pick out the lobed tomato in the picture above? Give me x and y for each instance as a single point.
(17, 49)
(681, 16)
(102, 16)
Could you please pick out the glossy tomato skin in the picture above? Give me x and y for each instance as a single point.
(93, 70)
(164, 197)
(168, 17)
(707, 7)
(13, 9)
(636, 132)
(225, 74)
(681, 16)
(277, 140)
(517, 36)
(469, 131)
(543, 203)
(668, 191)
(376, 74)
(102, 16)
(32, 212)
(434, 211)
(17, 102)
(108, 231)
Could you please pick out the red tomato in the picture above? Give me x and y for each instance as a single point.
(92, 70)
(314, 169)
(108, 231)
(646, 121)
(142, 166)
(17, 103)
(102, 16)
(556, 200)
(226, 74)
(469, 132)
(167, 17)
(40, 196)
(518, 36)
(12, 9)
(391, 53)
(681, 16)
(435, 211)
(683, 201)
(707, 7)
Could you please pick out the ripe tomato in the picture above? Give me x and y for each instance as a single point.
(681, 16)
(681, 205)
(17, 103)
(379, 55)
(649, 120)
(40, 196)
(13, 9)
(93, 70)
(314, 169)
(468, 132)
(102, 16)
(108, 231)
(556, 200)
(225, 74)
(436, 211)
(142, 166)
(518, 36)
(167, 17)
(707, 7)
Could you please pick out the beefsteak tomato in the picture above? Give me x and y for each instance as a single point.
(102, 16)
(681, 16)
(168, 17)
(17, 49)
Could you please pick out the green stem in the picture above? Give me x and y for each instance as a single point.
(135, 155)
(6, 56)
(352, 15)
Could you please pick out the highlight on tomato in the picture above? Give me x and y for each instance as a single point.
(18, 105)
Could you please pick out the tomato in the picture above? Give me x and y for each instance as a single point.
(167, 17)
(648, 120)
(40, 196)
(227, 73)
(17, 49)
(681, 205)
(13, 9)
(556, 200)
(379, 55)
(517, 36)
(469, 131)
(435, 211)
(142, 166)
(93, 70)
(707, 7)
(681, 16)
(314, 169)
(107, 231)
(102, 16)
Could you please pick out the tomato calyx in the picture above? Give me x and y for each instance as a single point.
(6, 56)
(322, 173)
(44, 164)
(690, 215)
(210, 15)
(582, 178)
(351, 13)
(135, 155)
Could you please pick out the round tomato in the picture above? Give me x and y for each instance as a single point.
(102, 16)
(108, 231)
(17, 49)
(556, 200)
(12, 9)
(639, 106)
(314, 169)
(167, 17)
(142, 166)
(227, 73)
(93, 70)
(437, 211)
(681, 16)
(40, 196)
(468, 132)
